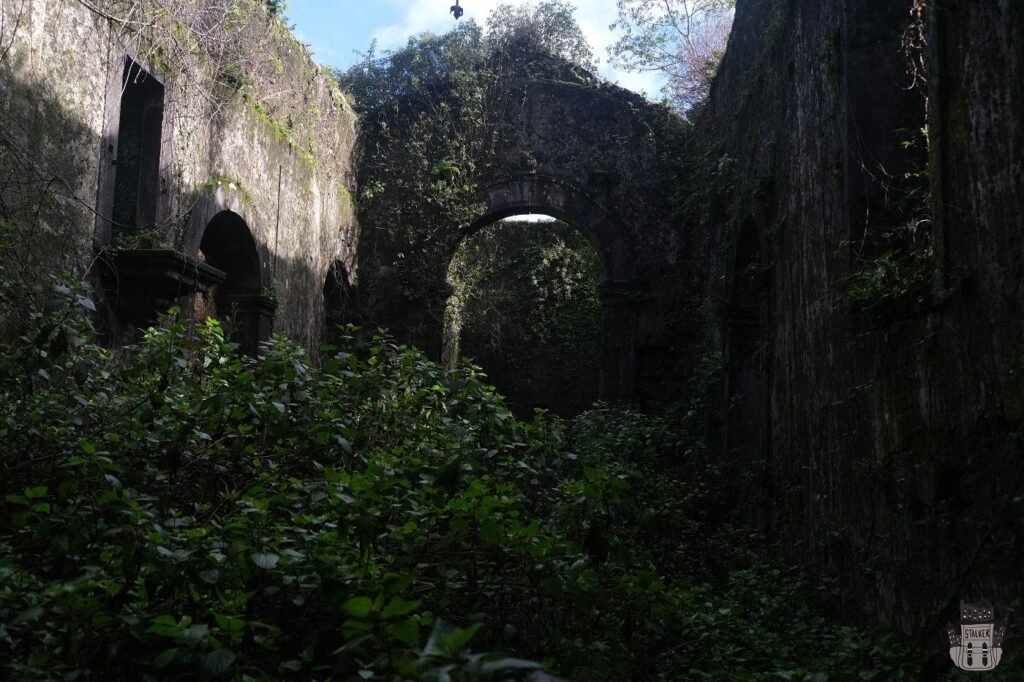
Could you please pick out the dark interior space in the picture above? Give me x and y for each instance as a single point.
(747, 431)
(228, 246)
(137, 174)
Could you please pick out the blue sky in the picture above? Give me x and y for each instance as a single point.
(336, 29)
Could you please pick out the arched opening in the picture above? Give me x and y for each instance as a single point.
(525, 305)
(747, 425)
(228, 245)
(338, 303)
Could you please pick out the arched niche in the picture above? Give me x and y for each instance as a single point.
(228, 245)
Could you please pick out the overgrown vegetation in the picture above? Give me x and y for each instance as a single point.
(435, 114)
(525, 306)
(893, 262)
(174, 509)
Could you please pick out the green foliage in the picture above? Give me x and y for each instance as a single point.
(434, 114)
(895, 274)
(177, 510)
(895, 259)
(229, 183)
(427, 114)
(276, 7)
(526, 300)
(549, 26)
(142, 238)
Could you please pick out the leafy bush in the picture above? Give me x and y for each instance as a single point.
(176, 510)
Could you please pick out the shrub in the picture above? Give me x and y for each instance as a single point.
(176, 510)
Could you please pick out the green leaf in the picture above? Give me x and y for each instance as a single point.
(218, 662)
(211, 576)
(359, 607)
(195, 633)
(398, 607)
(28, 615)
(407, 631)
(490, 531)
(458, 640)
(265, 561)
(165, 626)
(354, 628)
(447, 640)
(490, 667)
(166, 658)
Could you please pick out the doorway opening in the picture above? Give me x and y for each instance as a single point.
(228, 245)
(747, 431)
(525, 306)
(137, 170)
(339, 306)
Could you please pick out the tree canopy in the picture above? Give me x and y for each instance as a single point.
(549, 26)
(684, 39)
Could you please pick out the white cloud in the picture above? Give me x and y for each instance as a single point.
(594, 17)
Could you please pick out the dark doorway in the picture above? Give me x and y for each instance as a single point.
(137, 170)
(525, 306)
(338, 304)
(228, 245)
(748, 420)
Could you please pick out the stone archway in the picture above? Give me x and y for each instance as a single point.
(566, 203)
(535, 195)
(227, 244)
(592, 155)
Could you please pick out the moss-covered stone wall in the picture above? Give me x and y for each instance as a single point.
(546, 137)
(251, 125)
(874, 365)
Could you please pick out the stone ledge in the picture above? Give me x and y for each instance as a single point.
(140, 283)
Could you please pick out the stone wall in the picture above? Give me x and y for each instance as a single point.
(596, 156)
(888, 429)
(250, 125)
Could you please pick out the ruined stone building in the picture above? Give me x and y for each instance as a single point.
(235, 154)
(842, 228)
